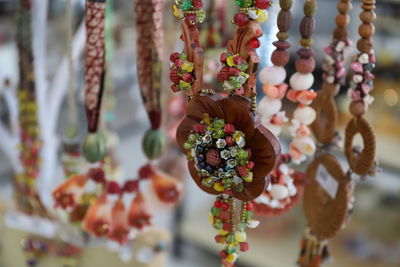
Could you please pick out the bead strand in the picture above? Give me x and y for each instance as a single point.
(300, 92)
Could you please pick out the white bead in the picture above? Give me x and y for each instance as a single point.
(329, 60)
(300, 81)
(357, 78)
(273, 75)
(279, 191)
(274, 203)
(253, 224)
(363, 59)
(269, 106)
(340, 46)
(305, 145)
(263, 199)
(305, 115)
(330, 79)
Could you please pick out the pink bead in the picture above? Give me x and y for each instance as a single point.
(229, 128)
(229, 140)
(357, 67)
(241, 171)
(198, 128)
(292, 95)
(340, 73)
(240, 91)
(271, 91)
(240, 19)
(174, 88)
(244, 246)
(282, 90)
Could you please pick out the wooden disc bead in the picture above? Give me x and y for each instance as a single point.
(365, 45)
(280, 57)
(309, 8)
(282, 36)
(340, 34)
(366, 30)
(306, 42)
(358, 108)
(305, 65)
(342, 20)
(343, 7)
(285, 4)
(368, 7)
(284, 20)
(307, 26)
(281, 45)
(367, 16)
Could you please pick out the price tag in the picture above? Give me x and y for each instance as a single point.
(327, 182)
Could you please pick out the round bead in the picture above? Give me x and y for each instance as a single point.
(300, 81)
(282, 36)
(305, 53)
(367, 16)
(340, 34)
(309, 8)
(305, 65)
(281, 45)
(240, 19)
(306, 42)
(305, 145)
(262, 4)
(94, 147)
(366, 30)
(342, 20)
(279, 191)
(273, 75)
(305, 115)
(269, 106)
(285, 4)
(365, 45)
(240, 236)
(358, 108)
(344, 7)
(280, 57)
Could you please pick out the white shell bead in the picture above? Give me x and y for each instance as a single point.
(305, 145)
(273, 75)
(363, 59)
(279, 191)
(305, 115)
(269, 106)
(300, 81)
(357, 78)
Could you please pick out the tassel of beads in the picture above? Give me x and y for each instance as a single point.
(232, 236)
(313, 252)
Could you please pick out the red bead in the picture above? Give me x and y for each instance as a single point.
(262, 4)
(113, 188)
(244, 246)
(223, 254)
(241, 171)
(254, 43)
(225, 206)
(249, 206)
(131, 186)
(229, 128)
(146, 171)
(187, 77)
(217, 204)
(174, 77)
(229, 140)
(218, 238)
(227, 226)
(97, 175)
(197, 3)
(179, 63)
(223, 74)
(234, 72)
(250, 165)
(240, 19)
(238, 60)
(224, 215)
(174, 57)
(191, 20)
(198, 128)
(174, 88)
(223, 57)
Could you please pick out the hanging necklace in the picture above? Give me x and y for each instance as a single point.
(229, 153)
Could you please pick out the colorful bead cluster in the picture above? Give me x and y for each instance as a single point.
(220, 156)
(251, 9)
(233, 73)
(181, 72)
(363, 64)
(232, 236)
(106, 215)
(190, 10)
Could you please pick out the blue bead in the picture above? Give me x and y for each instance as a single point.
(200, 157)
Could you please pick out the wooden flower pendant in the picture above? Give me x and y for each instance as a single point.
(227, 151)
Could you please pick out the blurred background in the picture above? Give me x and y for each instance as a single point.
(372, 238)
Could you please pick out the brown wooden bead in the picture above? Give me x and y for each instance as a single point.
(368, 7)
(306, 42)
(367, 16)
(284, 20)
(358, 108)
(344, 7)
(285, 4)
(305, 65)
(309, 8)
(340, 34)
(281, 45)
(342, 20)
(365, 45)
(366, 30)
(307, 26)
(282, 36)
(280, 57)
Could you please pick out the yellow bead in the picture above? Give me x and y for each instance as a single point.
(249, 177)
(218, 187)
(187, 66)
(262, 16)
(211, 218)
(222, 232)
(177, 12)
(240, 236)
(230, 62)
(231, 257)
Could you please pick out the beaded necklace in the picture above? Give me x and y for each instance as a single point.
(286, 183)
(229, 153)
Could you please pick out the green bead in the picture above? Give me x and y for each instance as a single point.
(71, 131)
(218, 225)
(249, 215)
(218, 133)
(230, 238)
(94, 147)
(183, 56)
(244, 3)
(219, 123)
(186, 5)
(241, 227)
(215, 211)
(192, 138)
(187, 145)
(153, 143)
(242, 154)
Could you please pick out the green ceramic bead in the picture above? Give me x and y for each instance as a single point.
(244, 3)
(153, 143)
(94, 147)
